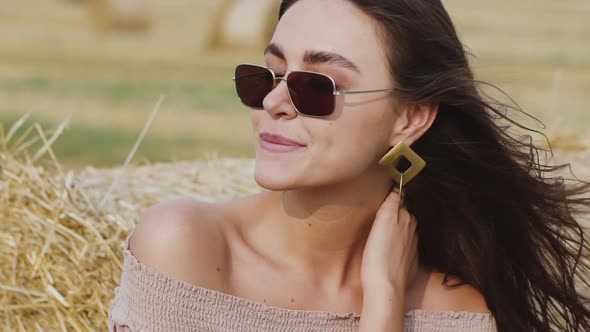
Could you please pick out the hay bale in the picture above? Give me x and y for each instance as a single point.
(61, 236)
(62, 230)
(123, 15)
(243, 24)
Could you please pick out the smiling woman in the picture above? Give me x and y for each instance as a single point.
(478, 237)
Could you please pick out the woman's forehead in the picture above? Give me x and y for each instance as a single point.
(337, 29)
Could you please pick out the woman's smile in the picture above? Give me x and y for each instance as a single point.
(277, 147)
(278, 143)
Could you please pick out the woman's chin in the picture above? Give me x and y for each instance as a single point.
(272, 179)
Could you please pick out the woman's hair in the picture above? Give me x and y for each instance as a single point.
(488, 210)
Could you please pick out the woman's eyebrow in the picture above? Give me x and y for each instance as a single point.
(316, 57)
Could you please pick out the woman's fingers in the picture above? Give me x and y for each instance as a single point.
(390, 216)
(389, 207)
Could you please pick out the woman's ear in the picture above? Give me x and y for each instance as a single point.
(413, 122)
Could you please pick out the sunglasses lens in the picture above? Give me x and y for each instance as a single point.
(253, 83)
(311, 93)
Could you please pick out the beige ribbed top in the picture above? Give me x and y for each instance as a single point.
(147, 300)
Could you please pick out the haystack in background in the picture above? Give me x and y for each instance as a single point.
(61, 231)
(123, 15)
(243, 24)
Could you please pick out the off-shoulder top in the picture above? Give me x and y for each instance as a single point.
(148, 300)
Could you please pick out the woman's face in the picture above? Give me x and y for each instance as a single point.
(349, 142)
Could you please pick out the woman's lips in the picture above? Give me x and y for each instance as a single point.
(274, 147)
(278, 139)
(278, 143)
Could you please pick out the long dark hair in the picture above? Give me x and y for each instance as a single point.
(488, 210)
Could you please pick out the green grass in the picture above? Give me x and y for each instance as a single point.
(204, 95)
(82, 145)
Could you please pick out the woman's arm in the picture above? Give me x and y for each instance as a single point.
(383, 311)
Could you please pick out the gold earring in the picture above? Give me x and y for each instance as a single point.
(389, 161)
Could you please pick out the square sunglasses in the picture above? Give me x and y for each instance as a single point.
(311, 93)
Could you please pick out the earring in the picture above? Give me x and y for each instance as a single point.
(391, 159)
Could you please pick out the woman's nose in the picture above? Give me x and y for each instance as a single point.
(278, 103)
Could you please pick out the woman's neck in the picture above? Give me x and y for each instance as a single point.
(320, 232)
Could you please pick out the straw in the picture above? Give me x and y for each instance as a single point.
(60, 255)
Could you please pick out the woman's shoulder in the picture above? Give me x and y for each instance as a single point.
(184, 239)
(432, 293)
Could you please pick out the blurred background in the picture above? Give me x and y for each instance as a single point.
(107, 62)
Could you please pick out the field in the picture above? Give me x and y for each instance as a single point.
(54, 63)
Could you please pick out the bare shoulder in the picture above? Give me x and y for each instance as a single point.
(433, 294)
(183, 239)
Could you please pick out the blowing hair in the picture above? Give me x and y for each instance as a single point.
(488, 210)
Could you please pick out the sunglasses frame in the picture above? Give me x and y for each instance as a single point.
(335, 91)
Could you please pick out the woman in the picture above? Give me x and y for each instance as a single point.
(480, 240)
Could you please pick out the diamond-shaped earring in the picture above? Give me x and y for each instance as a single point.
(394, 155)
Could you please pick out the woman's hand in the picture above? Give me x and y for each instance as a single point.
(389, 264)
(390, 257)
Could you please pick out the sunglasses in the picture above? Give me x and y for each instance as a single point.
(312, 94)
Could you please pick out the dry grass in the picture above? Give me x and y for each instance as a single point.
(61, 230)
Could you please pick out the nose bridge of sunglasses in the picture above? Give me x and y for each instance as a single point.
(278, 79)
(277, 82)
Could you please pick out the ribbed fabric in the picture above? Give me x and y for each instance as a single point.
(147, 300)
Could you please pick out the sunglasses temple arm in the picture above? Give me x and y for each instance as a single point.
(365, 91)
